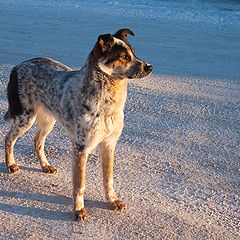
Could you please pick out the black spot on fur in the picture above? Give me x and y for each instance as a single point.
(68, 113)
(15, 106)
(93, 91)
(80, 147)
(29, 111)
(86, 107)
(21, 121)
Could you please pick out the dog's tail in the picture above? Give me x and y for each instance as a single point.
(15, 106)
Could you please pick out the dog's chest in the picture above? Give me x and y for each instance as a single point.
(107, 122)
(113, 105)
(115, 98)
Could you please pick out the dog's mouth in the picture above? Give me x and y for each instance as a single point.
(139, 70)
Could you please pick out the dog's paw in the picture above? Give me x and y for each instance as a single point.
(80, 215)
(117, 205)
(49, 169)
(13, 168)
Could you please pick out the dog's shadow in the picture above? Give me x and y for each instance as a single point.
(65, 203)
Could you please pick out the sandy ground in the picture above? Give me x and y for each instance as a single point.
(177, 162)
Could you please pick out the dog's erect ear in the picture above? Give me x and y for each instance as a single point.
(105, 42)
(122, 34)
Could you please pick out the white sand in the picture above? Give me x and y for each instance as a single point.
(177, 163)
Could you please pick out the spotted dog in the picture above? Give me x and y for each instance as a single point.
(88, 103)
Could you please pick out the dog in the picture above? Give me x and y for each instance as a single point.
(88, 103)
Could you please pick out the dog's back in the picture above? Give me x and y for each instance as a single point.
(30, 82)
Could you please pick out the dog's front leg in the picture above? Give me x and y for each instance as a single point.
(107, 156)
(78, 170)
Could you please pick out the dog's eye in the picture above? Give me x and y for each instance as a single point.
(126, 57)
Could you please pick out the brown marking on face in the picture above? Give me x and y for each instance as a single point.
(123, 59)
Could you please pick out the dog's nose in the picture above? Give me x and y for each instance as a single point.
(148, 68)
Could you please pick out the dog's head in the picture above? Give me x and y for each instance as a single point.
(115, 56)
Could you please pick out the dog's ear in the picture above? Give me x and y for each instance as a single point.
(105, 43)
(122, 34)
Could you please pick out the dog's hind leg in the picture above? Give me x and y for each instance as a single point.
(19, 125)
(45, 124)
(107, 148)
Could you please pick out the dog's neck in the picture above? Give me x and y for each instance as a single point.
(114, 90)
